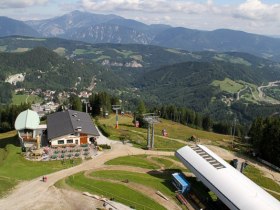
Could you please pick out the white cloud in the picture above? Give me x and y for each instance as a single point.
(21, 3)
(257, 10)
(250, 15)
(157, 6)
(254, 16)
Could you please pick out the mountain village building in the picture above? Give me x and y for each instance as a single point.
(30, 132)
(70, 128)
(63, 128)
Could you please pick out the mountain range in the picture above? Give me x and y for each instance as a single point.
(220, 84)
(98, 28)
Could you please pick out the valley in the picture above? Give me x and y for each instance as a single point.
(139, 105)
(131, 71)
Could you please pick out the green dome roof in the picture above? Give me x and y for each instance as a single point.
(27, 119)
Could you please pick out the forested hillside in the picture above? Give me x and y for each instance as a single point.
(224, 85)
(45, 69)
(265, 135)
(208, 87)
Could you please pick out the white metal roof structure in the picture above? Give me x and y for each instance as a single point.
(231, 186)
(27, 119)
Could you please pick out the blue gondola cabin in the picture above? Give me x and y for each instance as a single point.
(180, 182)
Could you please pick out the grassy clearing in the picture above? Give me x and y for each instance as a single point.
(138, 136)
(232, 59)
(167, 163)
(257, 176)
(87, 51)
(82, 51)
(21, 49)
(179, 131)
(143, 161)
(14, 167)
(3, 48)
(60, 51)
(102, 57)
(134, 160)
(175, 51)
(137, 57)
(6, 184)
(21, 99)
(119, 192)
(228, 85)
(124, 53)
(17, 167)
(159, 182)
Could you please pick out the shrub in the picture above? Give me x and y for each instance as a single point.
(104, 130)
(53, 156)
(105, 146)
(84, 145)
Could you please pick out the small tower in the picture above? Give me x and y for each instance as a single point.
(152, 119)
(116, 108)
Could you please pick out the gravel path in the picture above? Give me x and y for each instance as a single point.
(35, 194)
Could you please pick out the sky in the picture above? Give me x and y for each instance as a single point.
(254, 16)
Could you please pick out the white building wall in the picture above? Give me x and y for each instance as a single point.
(56, 141)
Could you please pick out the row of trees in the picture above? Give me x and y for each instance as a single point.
(101, 103)
(265, 138)
(8, 115)
(194, 119)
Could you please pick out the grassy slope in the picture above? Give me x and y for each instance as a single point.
(175, 130)
(14, 167)
(257, 176)
(119, 192)
(21, 99)
(228, 85)
(159, 182)
(134, 160)
(142, 161)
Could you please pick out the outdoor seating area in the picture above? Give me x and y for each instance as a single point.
(83, 151)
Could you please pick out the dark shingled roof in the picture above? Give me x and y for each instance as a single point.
(67, 122)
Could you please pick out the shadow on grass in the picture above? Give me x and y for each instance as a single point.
(10, 140)
(197, 188)
(166, 176)
(126, 125)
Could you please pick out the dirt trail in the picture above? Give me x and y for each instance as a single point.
(149, 192)
(31, 194)
(36, 194)
(227, 155)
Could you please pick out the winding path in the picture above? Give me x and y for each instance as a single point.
(270, 84)
(238, 93)
(36, 194)
(32, 194)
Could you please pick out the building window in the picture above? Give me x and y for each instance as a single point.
(60, 142)
(70, 141)
(76, 141)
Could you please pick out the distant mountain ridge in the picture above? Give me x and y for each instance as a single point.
(98, 28)
(219, 84)
(10, 27)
